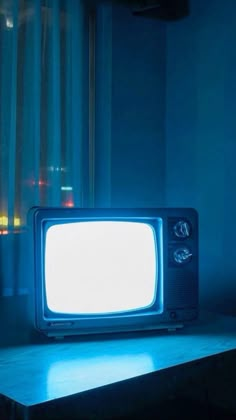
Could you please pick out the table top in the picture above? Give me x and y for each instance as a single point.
(35, 374)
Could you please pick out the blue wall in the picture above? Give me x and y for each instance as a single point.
(138, 107)
(201, 139)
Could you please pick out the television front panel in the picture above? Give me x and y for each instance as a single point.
(111, 270)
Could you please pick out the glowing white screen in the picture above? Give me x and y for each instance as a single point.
(99, 267)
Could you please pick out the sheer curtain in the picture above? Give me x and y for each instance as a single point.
(43, 120)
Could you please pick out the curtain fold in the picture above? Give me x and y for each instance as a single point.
(42, 120)
(76, 75)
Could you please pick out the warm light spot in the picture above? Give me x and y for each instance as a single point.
(4, 220)
(40, 183)
(16, 221)
(4, 232)
(68, 203)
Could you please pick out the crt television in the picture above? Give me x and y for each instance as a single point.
(113, 270)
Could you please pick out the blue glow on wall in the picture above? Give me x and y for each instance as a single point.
(200, 139)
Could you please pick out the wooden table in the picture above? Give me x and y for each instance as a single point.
(86, 375)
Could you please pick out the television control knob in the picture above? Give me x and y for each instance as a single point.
(182, 255)
(182, 229)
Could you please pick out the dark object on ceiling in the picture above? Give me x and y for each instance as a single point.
(154, 9)
(162, 9)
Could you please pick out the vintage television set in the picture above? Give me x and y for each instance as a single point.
(113, 270)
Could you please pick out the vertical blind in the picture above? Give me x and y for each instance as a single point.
(42, 120)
